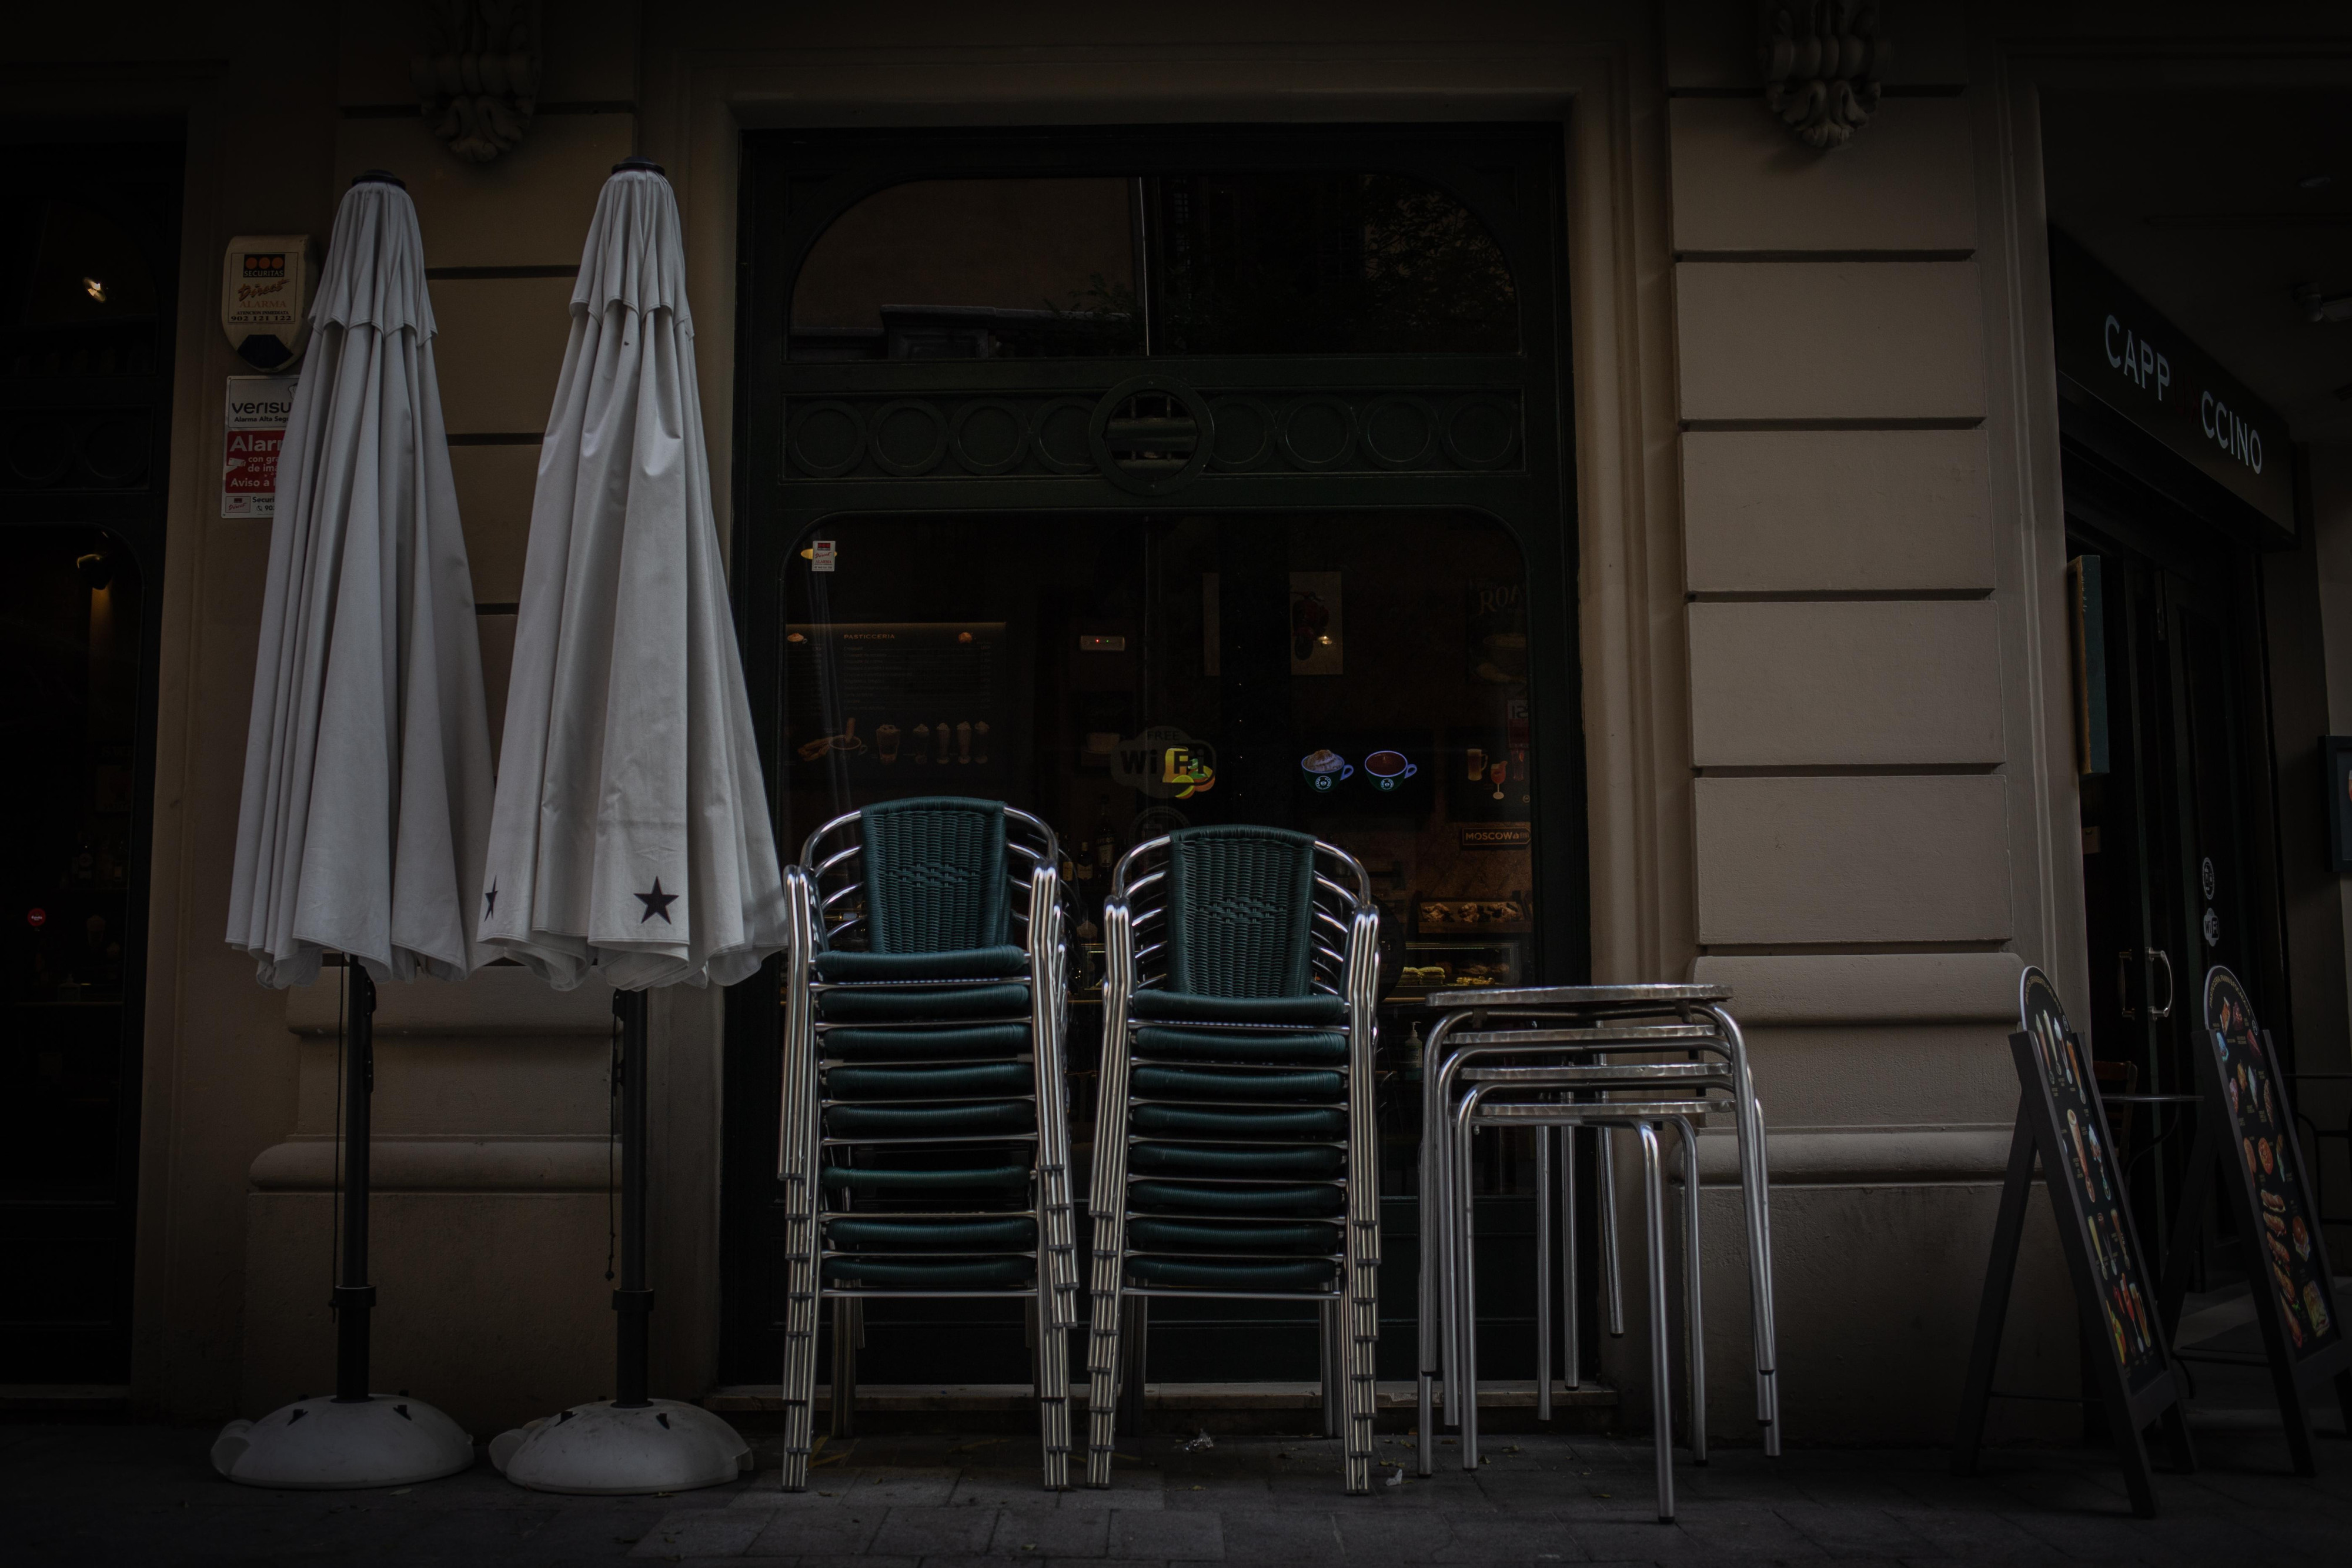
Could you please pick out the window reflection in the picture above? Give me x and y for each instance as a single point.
(1327, 264)
(1246, 263)
(972, 269)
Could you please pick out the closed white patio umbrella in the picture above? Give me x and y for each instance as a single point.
(367, 770)
(631, 835)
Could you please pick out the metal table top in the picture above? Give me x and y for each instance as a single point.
(1484, 998)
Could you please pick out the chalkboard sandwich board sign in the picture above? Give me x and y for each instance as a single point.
(2246, 1141)
(2060, 1122)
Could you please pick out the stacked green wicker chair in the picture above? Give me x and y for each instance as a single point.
(1235, 1143)
(924, 1148)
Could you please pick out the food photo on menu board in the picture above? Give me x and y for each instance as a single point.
(2260, 1137)
(2090, 1170)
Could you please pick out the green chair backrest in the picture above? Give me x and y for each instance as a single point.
(935, 874)
(1240, 912)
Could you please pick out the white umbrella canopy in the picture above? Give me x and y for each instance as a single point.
(367, 767)
(631, 833)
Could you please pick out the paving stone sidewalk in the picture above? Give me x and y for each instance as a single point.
(122, 1495)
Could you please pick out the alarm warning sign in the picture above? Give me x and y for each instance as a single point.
(253, 428)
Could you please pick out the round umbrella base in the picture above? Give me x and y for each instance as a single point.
(609, 1451)
(324, 1445)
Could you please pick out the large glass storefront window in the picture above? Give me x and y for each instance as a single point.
(1362, 677)
(1174, 474)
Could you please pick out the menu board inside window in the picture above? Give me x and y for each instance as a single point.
(900, 708)
(2091, 1174)
(2261, 1146)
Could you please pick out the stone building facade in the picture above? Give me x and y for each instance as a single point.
(1816, 517)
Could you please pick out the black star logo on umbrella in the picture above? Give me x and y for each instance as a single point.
(490, 902)
(655, 903)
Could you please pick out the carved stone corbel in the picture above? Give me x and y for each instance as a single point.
(478, 80)
(1823, 59)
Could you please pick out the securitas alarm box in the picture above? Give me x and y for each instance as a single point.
(266, 285)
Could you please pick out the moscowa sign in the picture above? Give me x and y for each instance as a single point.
(2112, 344)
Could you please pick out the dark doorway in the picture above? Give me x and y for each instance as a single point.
(2179, 856)
(1064, 448)
(88, 272)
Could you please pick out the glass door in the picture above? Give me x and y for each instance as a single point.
(2172, 881)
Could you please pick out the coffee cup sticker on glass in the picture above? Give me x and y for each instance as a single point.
(1325, 767)
(1388, 768)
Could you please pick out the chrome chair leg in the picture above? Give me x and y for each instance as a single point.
(1757, 1199)
(848, 1328)
(1134, 1364)
(1693, 1315)
(1102, 1375)
(1662, 1407)
(1612, 1278)
(1053, 1386)
(1108, 1202)
(1543, 1273)
(802, 1287)
(1462, 1385)
(1571, 1349)
(1326, 1348)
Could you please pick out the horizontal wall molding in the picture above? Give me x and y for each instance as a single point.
(1839, 596)
(1870, 255)
(1844, 770)
(2248, 220)
(468, 274)
(1917, 90)
(1866, 988)
(412, 111)
(1844, 950)
(445, 1163)
(503, 999)
(1860, 1156)
(1959, 422)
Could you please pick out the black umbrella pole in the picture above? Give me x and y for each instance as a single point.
(634, 1301)
(355, 1297)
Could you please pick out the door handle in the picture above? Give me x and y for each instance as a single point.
(2171, 990)
(2123, 985)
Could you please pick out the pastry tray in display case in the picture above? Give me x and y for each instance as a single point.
(1471, 918)
(1433, 967)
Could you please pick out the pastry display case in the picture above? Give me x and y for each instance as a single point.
(1430, 967)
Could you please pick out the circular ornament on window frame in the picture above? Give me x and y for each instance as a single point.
(1244, 436)
(828, 439)
(990, 425)
(1058, 435)
(884, 435)
(1482, 432)
(1318, 433)
(1399, 431)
